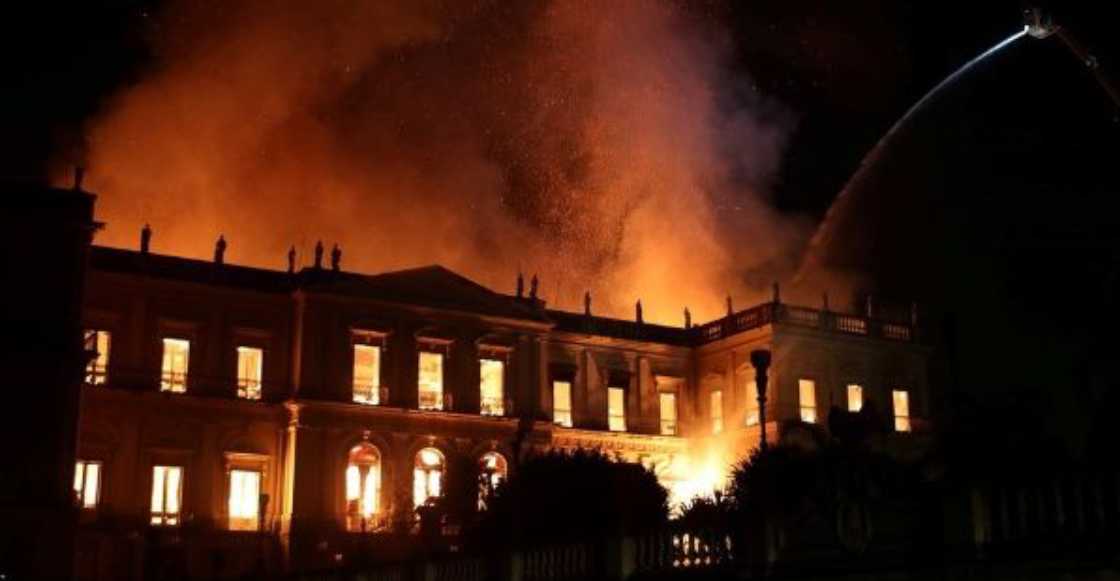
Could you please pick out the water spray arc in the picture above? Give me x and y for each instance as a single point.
(1035, 25)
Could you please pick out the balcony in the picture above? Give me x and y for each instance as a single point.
(806, 318)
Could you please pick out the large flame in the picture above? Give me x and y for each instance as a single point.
(604, 145)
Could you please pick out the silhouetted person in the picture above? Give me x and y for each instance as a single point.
(533, 287)
(319, 254)
(336, 257)
(145, 239)
(220, 250)
(638, 311)
(587, 303)
(291, 260)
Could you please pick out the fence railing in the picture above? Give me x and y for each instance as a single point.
(805, 317)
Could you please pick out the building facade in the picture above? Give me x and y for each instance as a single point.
(237, 418)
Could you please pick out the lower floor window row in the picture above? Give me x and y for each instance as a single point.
(362, 480)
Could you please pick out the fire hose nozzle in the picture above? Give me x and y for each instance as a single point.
(1037, 24)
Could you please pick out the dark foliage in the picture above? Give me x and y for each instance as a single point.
(557, 497)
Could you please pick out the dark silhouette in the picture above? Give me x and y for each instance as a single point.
(319, 255)
(220, 250)
(291, 260)
(533, 287)
(145, 239)
(687, 319)
(638, 312)
(587, 303)
(336, 258)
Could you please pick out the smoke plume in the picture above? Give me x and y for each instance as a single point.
(606, 146)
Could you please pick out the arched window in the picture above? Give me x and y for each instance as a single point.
(363, 487)
(492, 471)
(427, 476)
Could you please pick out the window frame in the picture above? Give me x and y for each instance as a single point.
(377, 340)
(441, 349)
(96, 374)
(903, 423)
(246, 462)
(858, 390)
(715, 402)
(498, 409)
(358, 521)
(168, 385)
(807, 413)
(243, 383)
(420, 467)
(668, 427)
(616, 422)
(556, 420)
(163, 518)
(81, 483)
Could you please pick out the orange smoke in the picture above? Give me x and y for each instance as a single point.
(601, 145)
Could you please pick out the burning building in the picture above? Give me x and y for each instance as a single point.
(247, 417)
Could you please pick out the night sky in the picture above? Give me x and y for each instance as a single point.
(996, 205)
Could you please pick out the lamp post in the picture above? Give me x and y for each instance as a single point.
(760, 359)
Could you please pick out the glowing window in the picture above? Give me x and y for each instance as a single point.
(807, 400)
(98, 368)
(562, 403)
(427, 476)
(491, 386)
(752, 416)
(249, 363)
(855, 397)
(176, 361)
(492, 471)
(431, 380)
(717, 411)
(616, 409)
(87, 483)
(244, 500)
(167, 494)
(901, 401)
(668, 402)
(367, 374)
(363, 487)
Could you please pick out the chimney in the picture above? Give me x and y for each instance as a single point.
(145, 239)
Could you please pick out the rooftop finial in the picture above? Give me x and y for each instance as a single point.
(319, 254)
(533, 283)
(638, 311)
(220, 250)
(520, 285)
(336, 258)
(145, 239)
(777, 293)
(730, 308)
(291, 259)
(824, 301)
(587, 303)
(79, 174)
(687, 319)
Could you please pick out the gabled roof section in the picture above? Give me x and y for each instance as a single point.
(430, 286)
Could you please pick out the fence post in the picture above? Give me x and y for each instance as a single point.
(621, 558)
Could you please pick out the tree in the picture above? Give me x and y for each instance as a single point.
(557, 497)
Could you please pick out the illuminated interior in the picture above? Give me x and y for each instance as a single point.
(901, 403)
(616, 409)
(668, 402)
(249, 363)
(717, 411)
(855, 398)
(363, 487)
(87, 483)
(176, 360)
(427, 476)
(491, 385)
(167, 494)
(807, 400)
(430, 380)
(98, 367)
(493, 470)
(244, 500)
(367, 374)
(562, 403)
(752, 415)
